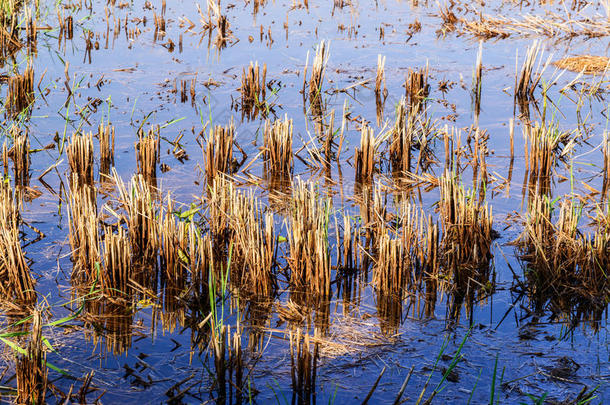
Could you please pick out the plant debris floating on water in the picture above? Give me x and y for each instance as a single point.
(587, 64)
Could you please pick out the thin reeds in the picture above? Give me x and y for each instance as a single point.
(184, 94)
(254, 247)
(253, 91)
(348, 246)
(221, 191)
(389, 312)
(544, 145)
(199, 258)
(452, 140)
(223, 32)
(111, 318)
(115, 280)
(392, 268)
(412, 130)
(137, 199)
(277, 152)
(328, 136)
(429, 262)
(10, 41)
(566, 269)
(228, 363)
(172, 242)
(31, 368)
(257, 5)
(16, 281)
(365, 155)
(216, 20)
(316, 79)
(555, 250)
(349, 254)
(105, 136)
(80, 158)
(537, 234)
(401, 141)
(309, 259)
(218, 152)
(477, 84)
(83, 231)
(478, 159)
(606, 167)
(304, 362)
(186, 258)
(448, 16)
(5, 157)
(174, 257)
(147, 154)
(14, 269)
(20, 93)
(318, 70)
(595, 282)
(66, 26)
(406, 255)
(417, 89)
(380, 78)
(9, 211)
(31, 30)
(159, 21)
(467, 226)
(380, 94)
(466, 241)
(528, 77)
(20, 154)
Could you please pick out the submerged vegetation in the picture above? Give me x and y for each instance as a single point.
(181, 226)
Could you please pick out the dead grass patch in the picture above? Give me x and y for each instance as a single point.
(588, 64)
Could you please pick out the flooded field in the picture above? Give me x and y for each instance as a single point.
(304, 202)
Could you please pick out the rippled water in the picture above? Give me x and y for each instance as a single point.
(133, 80)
